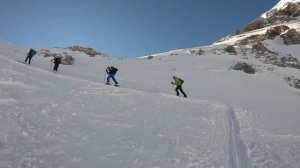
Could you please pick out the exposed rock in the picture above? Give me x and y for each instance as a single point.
(250, 40)
(293, 82)
(259, 48)
(68, 60)
(256, 24)
(45, 52)
(276, 31)
(242, 66)
(192, 52)
(88, 51)
(197, 52)
(289, 61)
(65, 58)
(150, 57)
(290, 12)
(291, 37)
(173, 54)
(291, 9)
(281, 61)
(278, 19)
(201, 52)
(230, 49)
(270, 57)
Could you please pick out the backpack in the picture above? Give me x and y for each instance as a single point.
(114, 70)
(181, 81)
(33, 52)
(57, 60)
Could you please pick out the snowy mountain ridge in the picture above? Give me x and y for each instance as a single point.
(280, 5)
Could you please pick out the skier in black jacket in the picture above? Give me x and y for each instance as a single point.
(57, 61)
(111, 71)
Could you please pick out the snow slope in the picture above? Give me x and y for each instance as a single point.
(71, 119)
(51, 120)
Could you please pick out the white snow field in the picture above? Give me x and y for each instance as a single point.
(71, 119)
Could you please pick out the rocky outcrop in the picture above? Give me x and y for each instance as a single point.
(290, 12)
(256, 24)
(66, 59)
(270, 57)
(291, 37)
(260, 49)
(88, 51)
(291, 9)
(279, 60)
(250, 40)
(294, 82)
(276, 31)
(242, 66)
(231, 50)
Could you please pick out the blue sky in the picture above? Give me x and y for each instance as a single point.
(125, 28)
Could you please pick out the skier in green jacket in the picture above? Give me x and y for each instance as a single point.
(178, 83)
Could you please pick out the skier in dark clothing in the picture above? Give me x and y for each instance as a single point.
(57, 61)
(111, 72)
(178, 83)
(30, 54)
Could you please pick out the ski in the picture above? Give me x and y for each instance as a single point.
(21, 62)
(116, 85)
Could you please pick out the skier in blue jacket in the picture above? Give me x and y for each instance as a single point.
(30, 54)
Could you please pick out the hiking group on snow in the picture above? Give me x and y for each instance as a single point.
(110, 71)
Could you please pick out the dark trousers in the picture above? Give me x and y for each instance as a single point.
(179, 87)
(55, 67)
(29, 59)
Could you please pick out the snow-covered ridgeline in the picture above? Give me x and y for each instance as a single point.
(280, 5)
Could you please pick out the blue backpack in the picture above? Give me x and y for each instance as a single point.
(181, 81)
(32, 52)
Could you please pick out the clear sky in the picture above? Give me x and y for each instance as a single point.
(125, 28)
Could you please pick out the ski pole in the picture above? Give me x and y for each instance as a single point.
(104, 77)
(173, 86)
(50, 66)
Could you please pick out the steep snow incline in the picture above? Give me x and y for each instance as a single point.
(71, 119)
(49, 120)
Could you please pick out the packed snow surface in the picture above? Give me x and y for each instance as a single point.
(71, 119)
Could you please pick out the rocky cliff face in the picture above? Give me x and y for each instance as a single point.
(286, 11)
(271, 41)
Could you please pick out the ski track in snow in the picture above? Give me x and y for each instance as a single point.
(8, 101)
(237, 154)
